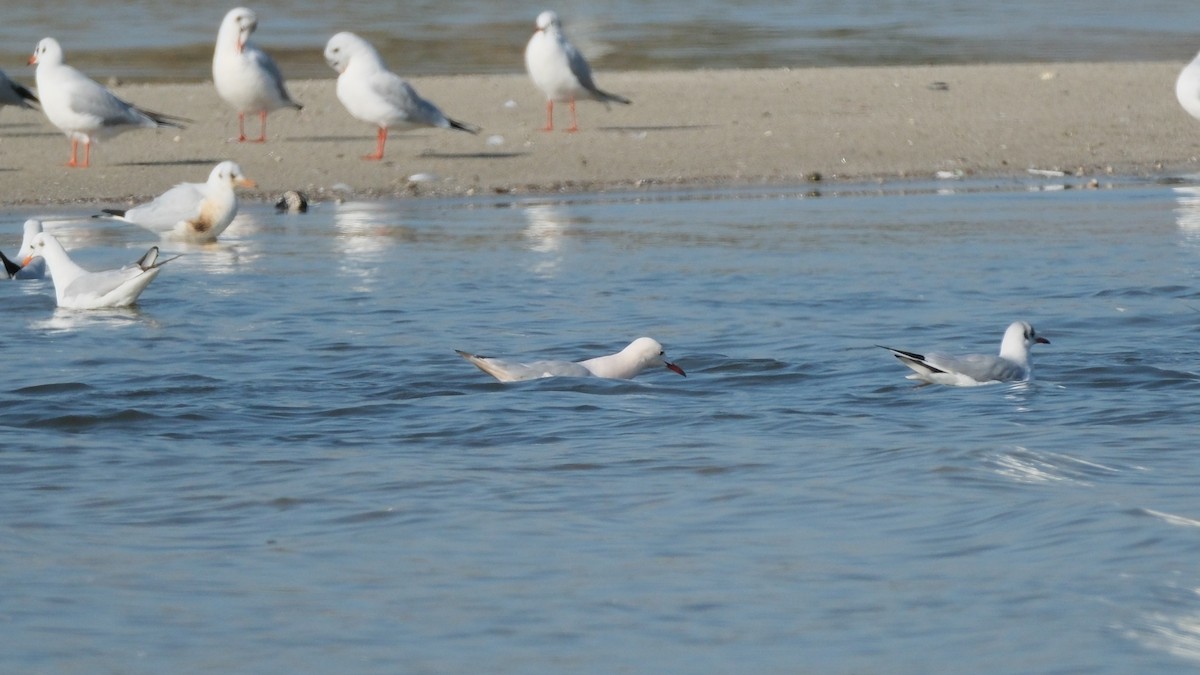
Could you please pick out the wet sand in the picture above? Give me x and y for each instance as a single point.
(694, 128)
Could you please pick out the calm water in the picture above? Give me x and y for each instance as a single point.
(172, 39)
(278, 464)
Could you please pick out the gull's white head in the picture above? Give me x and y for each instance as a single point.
(648, 352)
(1018, 339)
(42, 242)
(239, 22)
(33, 227)
(229, 173)
(548, 20)
(48, 51)
(345, 47)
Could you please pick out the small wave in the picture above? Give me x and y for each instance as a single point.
(1027, 466)
(1179, 636)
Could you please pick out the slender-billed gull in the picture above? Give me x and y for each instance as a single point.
(245, 76)
(77, 288)
(376, 95)
(641, 354)
(83, 109)
(196, 212)
(972, 369)
(560, 71)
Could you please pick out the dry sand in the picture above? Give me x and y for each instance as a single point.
(698, 128)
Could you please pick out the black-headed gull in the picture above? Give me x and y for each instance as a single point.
(196, 212)
(245, 76)
(376, 95)
(77, 288)
(1187, 87)
(1012, 364)
(641, 354)
(14, 94)
(560, 71)
(82, 108)
(35, 268)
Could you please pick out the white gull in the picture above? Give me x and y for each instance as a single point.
(560, 71)
(245, 76)
(641, 354)
(77, 288)
(1012, 364)
(195, 212)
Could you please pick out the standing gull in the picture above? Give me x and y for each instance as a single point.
(560, 71)
(376, 95)
(245, 76)
(81, 108)
(196, 212)
(972, 369)
(14, 94)
(641, 354)
(77, 288)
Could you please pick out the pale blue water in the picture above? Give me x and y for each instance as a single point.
(278, 464)
(172, 39)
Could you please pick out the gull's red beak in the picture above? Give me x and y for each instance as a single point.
(672, 366)
(32, 60)
(1041, 340)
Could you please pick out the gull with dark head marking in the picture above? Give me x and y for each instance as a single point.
(245, 76)
(1012, 364)
(195, 212)
(82, 108)
(560, 71)
(641, 354)
(372, 93)
(77, 288)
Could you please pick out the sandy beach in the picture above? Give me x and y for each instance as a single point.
(694, 128)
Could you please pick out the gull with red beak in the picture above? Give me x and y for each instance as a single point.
(82, 108)
(245, 76)
(641, 354)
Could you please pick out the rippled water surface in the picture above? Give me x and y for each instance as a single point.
(173, 39)
(278, 463)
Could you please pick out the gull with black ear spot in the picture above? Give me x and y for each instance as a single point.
(1012, 364)
(641, 354)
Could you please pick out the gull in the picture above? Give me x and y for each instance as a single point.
(245, 76)
(641, 354)
(35, 268)
(973, 369)
(14, 94)
(83, 109)
(11, 269)
(376, 95)
(195, 212)
(77, 288)
(1187, 87)
(560, 71)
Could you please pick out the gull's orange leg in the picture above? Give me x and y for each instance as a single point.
(574, 122)
(380, 138)
(549, 116)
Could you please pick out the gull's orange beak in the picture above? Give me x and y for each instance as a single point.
(672, 366)
(32, 60)
(28, 259)
(246, 183)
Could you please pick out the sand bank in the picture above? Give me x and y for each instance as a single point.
(696, 128)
